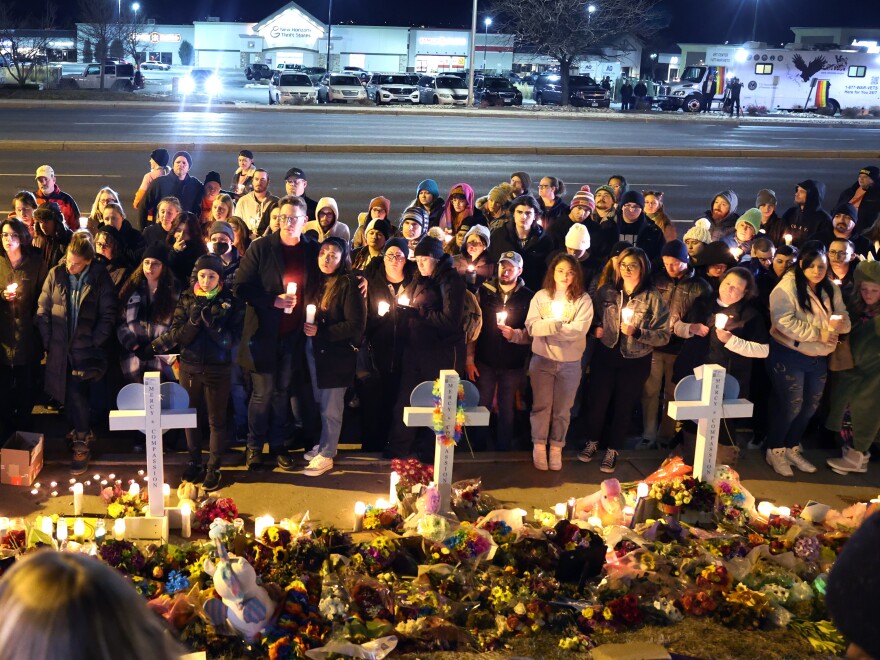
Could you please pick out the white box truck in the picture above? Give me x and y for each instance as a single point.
(782, 78)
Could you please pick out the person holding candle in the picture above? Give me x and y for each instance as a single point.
(94, 612)
(473, 263)
(842, 261)
(272, 342)
(333, 336)
(558, 319)
(632, 321)
(806, 217)
(52, 235)
(746, 228)
(207, 322)
(803, 335)
(854, 392)
(23, 206)
(22, 273)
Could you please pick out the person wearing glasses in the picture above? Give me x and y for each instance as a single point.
(274, 272)
(631, 320)
(22, 273)
(842, 262)
(553, 209)
(108, 252)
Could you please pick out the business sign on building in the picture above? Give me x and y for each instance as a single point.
(291, 29)
(720, 56)
(159, 37)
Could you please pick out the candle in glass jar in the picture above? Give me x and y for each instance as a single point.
(84, 222)
(721, 321)
(392, 491)
(166, 494)
(559, 510)
(79, 529)
(788, 238)
(46, 526)
(77, 499)
(61, 530)
(557, 309)
(384, 307)
(359, 509)
(403, 300)
(501, 318)
(835, 320)
(119, 529)
(626, 315)
(311, 310)
(291, 290)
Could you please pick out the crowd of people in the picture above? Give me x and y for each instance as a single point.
(284, 324)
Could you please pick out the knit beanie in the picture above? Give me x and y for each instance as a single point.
(871, 171)
(578, 237)
(730, 197)
(327, 202)
(221, 227)
(416, 214)
(619, 247)
(584, 197)
(156, 251)
(384, 202)
(632, 197)
(210, 262)
(213, 176)
(675, 249)
(160, 157)
(765, 196)
(477, 230)
(607, 189)
(430, 185)
(430, 247)
(185, 154)
(716, 252)
(338, 243)
(501, 194)
(845, 208)
(399, 242)
(752, 217)
(524, 177)
(867, 271)
(381, 225)
(700, 231)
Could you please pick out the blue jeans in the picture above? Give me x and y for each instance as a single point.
(798, 382)
(331, 402)
(554, 385)
(507, 381)
(269, 407)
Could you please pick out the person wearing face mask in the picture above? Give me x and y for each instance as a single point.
(473, 263)
(22, 273)
(379, 209)
(635, 227)
(52, 235)
(221, 239)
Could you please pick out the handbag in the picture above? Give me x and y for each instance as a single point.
(366, 364)
(842, 358)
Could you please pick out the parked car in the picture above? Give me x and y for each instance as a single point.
(392, 88)
(315, 73)
(291, 88)
(117, 77)
(496, 90)
(258, 71)
(582, 91)
(340, 88)
(201, 81)
(443, 89)
(154, 66)
(284, 66)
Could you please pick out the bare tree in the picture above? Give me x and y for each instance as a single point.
(132, 26)
(23, 41)
(101, 26)
(567, 31)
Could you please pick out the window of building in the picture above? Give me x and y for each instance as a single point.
(762, 69)
(856, 71)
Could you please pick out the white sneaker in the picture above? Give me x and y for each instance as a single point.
(555, 457)
(318, 466)
(539, 457)
(796, 458)
(778, 460)
(851, 461)
(314, 451)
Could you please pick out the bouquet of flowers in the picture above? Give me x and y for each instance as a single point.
(469, 502)
(374, 556)
(673, 492)
(466, 544)
(215, 507)
(121, 503)
(123, 555)
(376, 518)
(412, 472)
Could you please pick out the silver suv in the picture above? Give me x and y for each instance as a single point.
(392, 88)
(117, 77)
(443, 89)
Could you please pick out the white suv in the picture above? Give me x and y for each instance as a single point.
(291, 88)
(443, 89)
(392, 88)
(117, 77)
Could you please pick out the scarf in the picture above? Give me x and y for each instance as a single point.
(210, 295)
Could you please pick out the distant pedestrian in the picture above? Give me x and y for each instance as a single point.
(708, 90)
(626, 95)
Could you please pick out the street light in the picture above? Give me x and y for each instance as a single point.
(755, 22)
(487, 22)
(591, 9)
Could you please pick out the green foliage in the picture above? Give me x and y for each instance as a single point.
(186, 53)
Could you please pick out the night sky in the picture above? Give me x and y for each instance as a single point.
(714, 21)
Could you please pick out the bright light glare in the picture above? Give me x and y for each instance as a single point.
(488, 22)
(187, 85)
(741, 55)
(136, 7)
(213, 85)
(591, 8)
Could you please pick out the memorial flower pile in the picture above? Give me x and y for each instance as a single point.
(122, 503)
(212, 508)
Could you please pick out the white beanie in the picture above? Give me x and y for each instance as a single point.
(477, 230)
(700, 231)
(578, 238)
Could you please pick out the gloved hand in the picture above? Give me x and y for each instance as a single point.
(145, 353)
(195, 314)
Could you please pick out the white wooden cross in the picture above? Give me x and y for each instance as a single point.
(423, 416)
(152, 420)
(708, 410)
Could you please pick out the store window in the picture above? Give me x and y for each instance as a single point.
(856, 72)
(763, 69)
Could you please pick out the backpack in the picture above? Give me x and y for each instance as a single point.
(472, 317)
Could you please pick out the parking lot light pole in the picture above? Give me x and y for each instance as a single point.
(471, 55)
(329, 31)
(487, 23)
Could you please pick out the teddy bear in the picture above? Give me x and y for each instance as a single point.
(606, 503)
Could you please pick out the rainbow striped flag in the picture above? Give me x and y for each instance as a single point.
(719, 80)
(822, 93)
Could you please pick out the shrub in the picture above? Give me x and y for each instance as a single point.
(874, 111)
(756, 110)
(827, 111)
(852, 113)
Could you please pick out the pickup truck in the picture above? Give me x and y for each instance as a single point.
(117, 77)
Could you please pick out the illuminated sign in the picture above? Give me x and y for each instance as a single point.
(442, 41)
(156, 37)
(279, 32)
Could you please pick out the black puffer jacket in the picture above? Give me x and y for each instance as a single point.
(438, 307)
(340, 330)
(386, 335)
(19, 338)
(207, 330)
(802, 223)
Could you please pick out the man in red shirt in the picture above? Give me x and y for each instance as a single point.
(48, 191)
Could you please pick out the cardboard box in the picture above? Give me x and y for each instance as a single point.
(21, 459)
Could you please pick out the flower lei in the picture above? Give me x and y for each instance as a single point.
(440, 432)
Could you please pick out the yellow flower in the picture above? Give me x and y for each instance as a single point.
(608, 614)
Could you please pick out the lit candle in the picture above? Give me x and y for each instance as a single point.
(642, 490)
(628, 512)
(557, 309)
(34, 491)
(403, 300)
(291, 290)
(569, 509)
(72, 481)
(559, 510)
(501, 318)
(447, 237)
(84, 222)
(626, 315)
(100, 530)
(721, 321)
(54, 493)
(783, 511)
(103, 482)
(4, 526)
(97, 477)
(185, 520)
(595, 522)
(359, 510)
(37, 485)
(766, 509)
(166, 494)
(787, 238)
(471, 276)
(46, 526)
(835, 320)
(111, 476)
(392, 493)
(140, 474)
(54, 484)
(238, 523)
(837, 282)
(736, 252)
(384, 307)
(61, 530)
(11, 289)
(381, 504)
(310, 314)
(134, 490)
(261, 524)
(77, 499)
(79, 529)
(119, 529)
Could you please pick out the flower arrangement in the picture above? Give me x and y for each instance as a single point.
(376, 518)
(212, 508)
(374, 556)
(412, 472)
(673, 492)
(439, 428)
(731, 502)
(121, 503)
(466, 544)
(123, 555)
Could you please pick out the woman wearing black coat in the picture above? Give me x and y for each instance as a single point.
(334, 327)
(52, 235)
(185, 246)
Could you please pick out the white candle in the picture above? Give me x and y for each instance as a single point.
(135, 489)
(100, 530)
(77, 499)
(185, 520)
(783, 511)
(766, 509)
(166, 494)
(359, 510)
(311, 310)
(35, 491)
(557, 309)
(626, 315)
(54, 493)
(736, 252)
(837, 282)
(628, 512)
(642, 490)
(111, 476)
(559, 510)
(53, 484)
(119, 529)
(79, 529)
(291, 290)
(4, 526)
(501, 318)
(12, 288)
(61, 530)
(835, 320)
(381, 504)
(721, 321)
(569, 509)
(787, 238)
(84, 222)
(261, 524)
(403, 300)
(595, 522)
(392, 492)
(384, 307)
(46, 526)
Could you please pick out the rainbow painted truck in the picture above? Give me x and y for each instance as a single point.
(781, 78)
